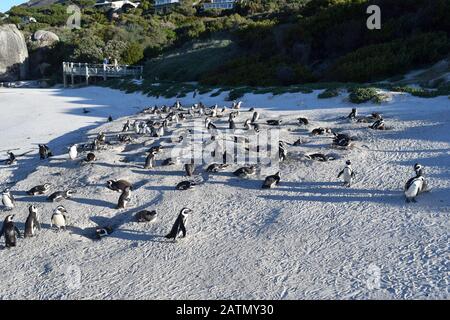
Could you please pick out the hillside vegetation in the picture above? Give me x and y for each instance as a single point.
(259, 43)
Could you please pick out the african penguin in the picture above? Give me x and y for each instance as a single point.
(8, 199)
(9, 231)
(150, 160)
(44, 151)
(118, 185)
(189, 168)
(185, 185)
(146, 216)
(255, 116)
(11, 158)
(303, 121)
(73, 153)
(60, 195)
(179, 227)
(245, 172)
(413, 187)
(39, 190)
(274, 122)
(101, 232)
(348, 174)
(124, 198)
(353, 114)
(32, 223)
(216, 167)
(59, 219)
(271, 181)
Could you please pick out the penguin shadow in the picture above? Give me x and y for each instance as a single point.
(173, 173)
(115, 165)
(245, 183)
(95, 202)
(161, 188)
(32, 199)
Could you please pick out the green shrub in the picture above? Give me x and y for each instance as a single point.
(361, 95)
(328, 93)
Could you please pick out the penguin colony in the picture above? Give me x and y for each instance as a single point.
(161, 119)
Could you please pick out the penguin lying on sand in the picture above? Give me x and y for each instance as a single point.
(245, 172)
(146, 216)
(118, 185)
(271, 181)
(39, 190)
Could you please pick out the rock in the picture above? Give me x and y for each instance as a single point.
(13, 54)
(45, 38)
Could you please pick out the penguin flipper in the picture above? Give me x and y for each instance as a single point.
(340, 173)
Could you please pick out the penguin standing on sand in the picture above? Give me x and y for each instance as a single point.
(126, 126)
(348, 173)
(124, 198)
(32, 224)
(150, 160)
(271, 181)
(59, 219)
(11, 158)
(282, 151)
(179, 227)
(189, 168)
(8, 199)
(44, 152)
(10, 231)
(73, 152)
(353, 114)
(414, 186)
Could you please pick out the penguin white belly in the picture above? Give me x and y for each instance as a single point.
(7, 202)
(73, 153)
(347, 175)
(59, 221)
(414, 189)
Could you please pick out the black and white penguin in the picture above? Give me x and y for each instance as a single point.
(118, 185)
(110, 119)
(232, 124)
(150, 160)
(348, 174)
(216, 167)
(90, 157)
(341, 140)
(8, 199)
(299, 142)
(126, 126)
(353, 114)
(61, 195)
(11, 158)
(44, 152)
(414, 186)
(9, 231)
(32, 223)
(303, 121)
(319, 157)
(247, 124)
(282, 151)
(185, 185)
(378, 125)
(245, 172)
(146, 216)
(73, 152)
(274, 122)
(320, 131)
(59, 219)
(39, 190)
(189, 168)
(255, 116)
(271, 181)
(179, 227)
(171, 161)
(124, 198)
(101, 232)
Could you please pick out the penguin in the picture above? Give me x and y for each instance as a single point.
(185, 185)
(303, 121)
(110, 119)
(189, 168)
(9, 231)
(124, 198)
(101, 232)
(118, 185)
(73, 153)
(271, 181)
(8, 199)
(341, 140)
(156, 149)
(150, 160)
(299, 142)
(90, 157)
(348, 173)
(247, 124)
(274, 122)
(256, 127)
(319, 157)
(282, 151)
(245, 172)
(378, 125)
(232, 124)
(414, 186)
(216, 167)
(39, 190)
(11, 159)
(353, 114)
(418, 168)
(146, 216)
(59, 219)
(179, 227)
(126, 126)
(60, 195)
(32, 223)
(171, 161)
(101, 137)
(255, 116)
(320, 131)
(44, 152)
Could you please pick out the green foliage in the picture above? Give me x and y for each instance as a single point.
(133, 53)
(328, 93)
(361, 95)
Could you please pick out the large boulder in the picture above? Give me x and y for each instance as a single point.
(44, 38)
(13, 54)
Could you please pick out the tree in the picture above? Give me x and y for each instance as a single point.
(133, 53)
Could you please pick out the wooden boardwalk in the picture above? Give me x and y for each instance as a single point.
(85, 70)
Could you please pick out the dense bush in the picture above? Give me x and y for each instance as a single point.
(361, 95)
(328, 93)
